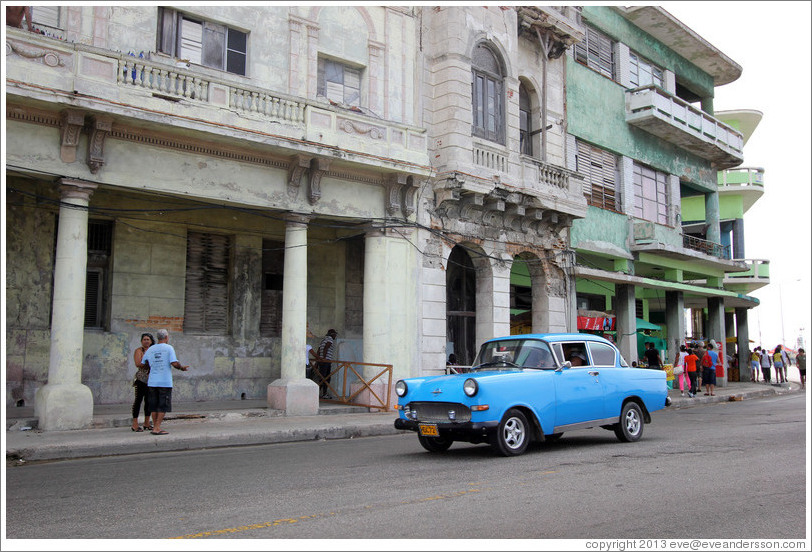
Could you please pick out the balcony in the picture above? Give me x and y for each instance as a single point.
(756, 276)
(160, 90)
(663, 241)
(656, 111)
(743, 181)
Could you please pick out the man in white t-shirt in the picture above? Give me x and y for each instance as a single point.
(161, 359)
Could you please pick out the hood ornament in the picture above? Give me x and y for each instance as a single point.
(437, 391)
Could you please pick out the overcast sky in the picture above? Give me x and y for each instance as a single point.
(771, 41)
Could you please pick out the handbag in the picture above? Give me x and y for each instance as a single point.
(678, 370)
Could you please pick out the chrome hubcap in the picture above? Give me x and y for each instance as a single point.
(632, 422)
(513, 433)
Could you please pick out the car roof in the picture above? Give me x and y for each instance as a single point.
(550, 337)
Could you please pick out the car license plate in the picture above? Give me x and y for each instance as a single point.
(427, 430)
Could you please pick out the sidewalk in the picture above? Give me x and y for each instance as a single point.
(203, 425)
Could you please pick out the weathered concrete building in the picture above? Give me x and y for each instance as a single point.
(249, 177)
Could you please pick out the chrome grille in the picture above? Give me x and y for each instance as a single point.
(438, 411)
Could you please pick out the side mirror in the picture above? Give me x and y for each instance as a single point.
(566, 365)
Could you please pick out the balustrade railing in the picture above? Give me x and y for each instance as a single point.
(181, 83)
(741, 176)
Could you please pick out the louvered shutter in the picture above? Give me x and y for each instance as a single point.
(47, 16)
(207, 277)
(599, 168)
(273, 263)
(214, 45)
(93, 297)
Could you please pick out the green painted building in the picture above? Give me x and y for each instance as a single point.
(662, 243)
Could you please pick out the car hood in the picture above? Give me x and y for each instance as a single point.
(455, 381)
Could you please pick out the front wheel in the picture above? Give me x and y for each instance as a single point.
(630, 427)
(513, 434)
(435, 444)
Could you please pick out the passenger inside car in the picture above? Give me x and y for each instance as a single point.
(577, 358)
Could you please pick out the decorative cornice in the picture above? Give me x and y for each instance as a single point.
(71, 123)
(298, 165)
(354, 127)
(317, 169)
(100, 127)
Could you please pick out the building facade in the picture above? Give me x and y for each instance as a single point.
(657, 236)
(249, 177)
(419, 179)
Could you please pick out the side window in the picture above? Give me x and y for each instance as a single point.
(536, 354)
(602, 354)
(575, 353)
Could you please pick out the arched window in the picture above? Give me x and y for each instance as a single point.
(487, 95)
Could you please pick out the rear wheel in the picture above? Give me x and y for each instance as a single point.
(513, 434)
(630, 428)
(435, 444)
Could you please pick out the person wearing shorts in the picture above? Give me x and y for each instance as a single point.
(161, 359)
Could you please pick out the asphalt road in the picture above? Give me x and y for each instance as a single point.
(731, 470)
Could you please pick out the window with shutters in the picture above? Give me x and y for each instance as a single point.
(339, 83)
(487, 95)
(650, 194)
(202, 42)
(525, 122)
(644, 73)
(97, 284)
(596, 51)
(273, 263)
(207, 283)
(49, 20)
(599, 168)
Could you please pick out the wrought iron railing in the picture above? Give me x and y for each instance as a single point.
(705, 246)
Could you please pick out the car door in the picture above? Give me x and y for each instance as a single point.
(579, 391)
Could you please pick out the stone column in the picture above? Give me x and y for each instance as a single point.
(64, 402)
(390, 307)
(293, 392)
(675, 320)
(716, 331)
(626, 321)
(743, 342)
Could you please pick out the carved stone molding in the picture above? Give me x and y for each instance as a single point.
(355, 127)
(71, 188)
(317, 169)
(48, 57)
(394, 185)
(100, 127)
(298, 166)
(409, 195)
(71, 123)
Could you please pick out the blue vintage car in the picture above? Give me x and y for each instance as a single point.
(532, 387)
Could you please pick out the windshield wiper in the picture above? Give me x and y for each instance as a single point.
(495, 362)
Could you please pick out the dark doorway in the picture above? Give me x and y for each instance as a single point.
(461, 305)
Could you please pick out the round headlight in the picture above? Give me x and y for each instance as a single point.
(470, 387)
(401, 388)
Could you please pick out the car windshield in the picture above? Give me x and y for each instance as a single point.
(509, 354)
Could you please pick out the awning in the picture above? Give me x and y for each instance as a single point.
(644, 325)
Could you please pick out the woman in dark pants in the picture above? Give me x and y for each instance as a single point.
(140, 382)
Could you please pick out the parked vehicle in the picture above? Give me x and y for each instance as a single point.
(533, 387)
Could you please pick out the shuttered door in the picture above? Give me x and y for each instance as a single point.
(599, 168)
(207, 276)
(273, 268)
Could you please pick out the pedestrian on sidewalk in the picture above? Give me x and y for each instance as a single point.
(140, 382)
(754, 364)
(652, 357)
(679, 370)
(691, 360)
(161, 359)
(709, 362)
(800, 360)
(325, 354)
(780, 362)
(766, 363)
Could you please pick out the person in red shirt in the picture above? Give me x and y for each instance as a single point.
(690, 367)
